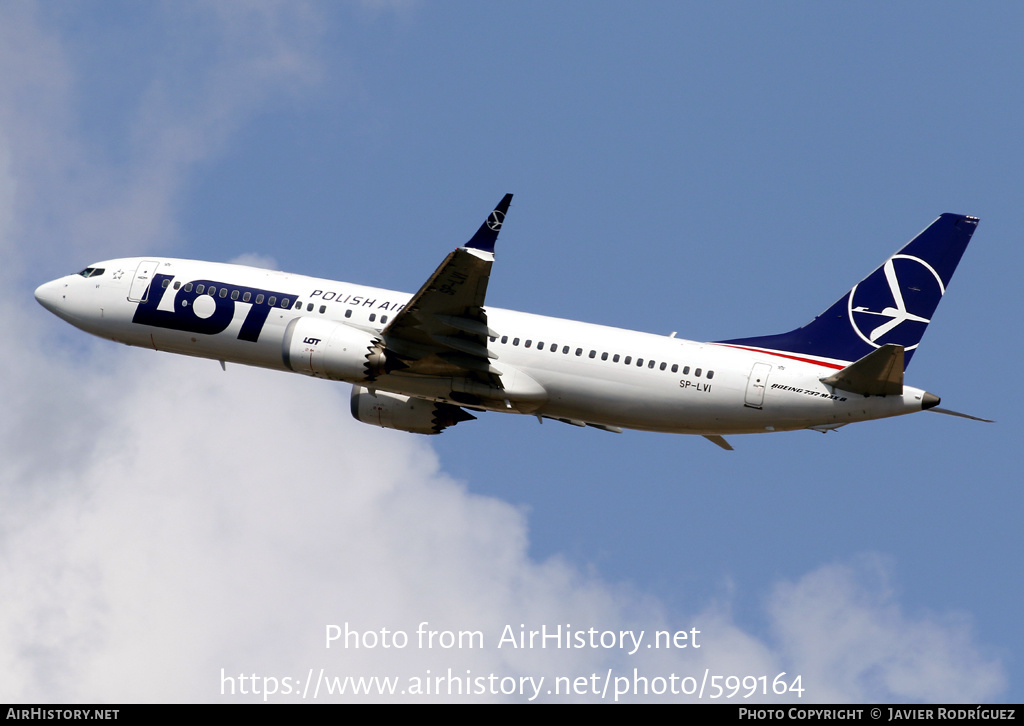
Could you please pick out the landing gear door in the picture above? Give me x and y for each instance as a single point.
(755, 385)
(140, 283)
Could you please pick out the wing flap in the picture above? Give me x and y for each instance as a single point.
(466, 325)
(466, 346)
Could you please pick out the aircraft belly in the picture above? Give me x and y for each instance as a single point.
(667, 407)
(265, 353)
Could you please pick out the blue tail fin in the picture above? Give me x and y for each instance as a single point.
(894, 304)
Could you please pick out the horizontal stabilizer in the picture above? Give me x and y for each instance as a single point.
(961, 415)
(879, 373)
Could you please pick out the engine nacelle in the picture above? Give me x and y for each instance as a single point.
(328, 349)
(395, 411)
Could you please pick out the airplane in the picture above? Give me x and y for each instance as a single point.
(427, 361)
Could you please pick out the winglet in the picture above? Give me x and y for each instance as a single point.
(487, 235)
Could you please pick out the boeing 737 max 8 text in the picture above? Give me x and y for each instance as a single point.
(422, 362)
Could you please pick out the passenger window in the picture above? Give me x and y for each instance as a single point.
(615, 358)
(579, 351)
(711, 374)
(593, 353)
(662, 366)
(309, 307)
(697, 373)
(627, 360)
(565, 350)
(272, 300)
(234, 294)
(246, 297)
(604, 356)
(686, 370)
(165, 283)
(383, 318)
(675, 367)
(515, 341)
(504, 339)
(259, 299)
(223, 292)
(348, 313)
(554, 347)
(284, 303)
(188, 287)
(373, 316)
(650, 364)
(527, 343)
(211, 290)
(639, 362)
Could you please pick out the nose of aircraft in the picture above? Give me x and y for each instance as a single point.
(48, 295)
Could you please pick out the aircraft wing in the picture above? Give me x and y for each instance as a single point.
(442, 330)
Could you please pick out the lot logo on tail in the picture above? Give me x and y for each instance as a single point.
(893, 304)
(494, 221)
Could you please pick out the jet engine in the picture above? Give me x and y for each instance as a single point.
(328, 349)
(395, 411)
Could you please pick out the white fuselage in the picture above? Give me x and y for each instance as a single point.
(562, 369)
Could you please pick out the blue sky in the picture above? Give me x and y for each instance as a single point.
(720, 170)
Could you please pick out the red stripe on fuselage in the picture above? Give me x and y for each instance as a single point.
(784, 355)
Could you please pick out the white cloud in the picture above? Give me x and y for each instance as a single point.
(215, 65)
(852, 637)
(161, 520)
(253, 259)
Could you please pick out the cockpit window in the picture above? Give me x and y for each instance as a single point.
(92, 272)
